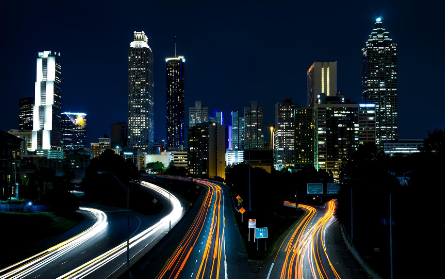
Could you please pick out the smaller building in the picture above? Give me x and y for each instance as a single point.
(9, 164)
(118, 135)
(26, 136)
(402, 146)
(98, 148)
(180, 159)
(260, 158)
(234, 157)
(165, 158)
(26, 106)
(74, 130)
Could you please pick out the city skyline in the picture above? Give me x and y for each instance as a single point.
(346, 52)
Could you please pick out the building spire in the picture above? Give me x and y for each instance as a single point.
(175, 46)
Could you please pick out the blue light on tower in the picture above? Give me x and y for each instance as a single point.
(379, 19)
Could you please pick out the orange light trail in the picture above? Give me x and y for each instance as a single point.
(305, 243)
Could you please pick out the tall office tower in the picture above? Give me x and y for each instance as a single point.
(140, 94)
(305, 144)
(74, 130)
(175, 102)
(217, 117)
(321, 78)
(46, 132)
(284, 134)
(198, 114)
(237, 131)
(118, 135)
(380, 81)
(206, 150)
(26, 106)
(366, 121)
(253, 126)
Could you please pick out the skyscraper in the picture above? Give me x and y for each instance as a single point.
(74, 130)
(321, 78)
(46, 132)
(284, 134)
(380, 81)
(198, 114)
(26, 106)
(254, 126)
(217, 117)
(140, 94)
(175, 102)
(237, 131)
(305, 143)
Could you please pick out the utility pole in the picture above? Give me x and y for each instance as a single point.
(390, 234)
(352, 220)
(250, 190)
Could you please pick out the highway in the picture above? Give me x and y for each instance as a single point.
(100, 254)
(303, 253)
(201, 253)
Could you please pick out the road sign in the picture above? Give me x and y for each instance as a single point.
(242, 210)
(261, 233)
(332, 188)
(315, 188)
(238, 197)
(252, 223)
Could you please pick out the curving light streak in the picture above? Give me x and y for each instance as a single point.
(210, 261)
(31, 264)
(94, 264)
(306, 242)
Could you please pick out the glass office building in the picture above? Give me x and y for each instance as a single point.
(74, 130)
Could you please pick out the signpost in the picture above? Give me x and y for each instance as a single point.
(315, 188)
(242, 210)
(251, 225)
(332, 188)
(261, 233)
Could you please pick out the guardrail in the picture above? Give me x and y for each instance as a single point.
(24, 208)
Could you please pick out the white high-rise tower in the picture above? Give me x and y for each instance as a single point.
(46, 132)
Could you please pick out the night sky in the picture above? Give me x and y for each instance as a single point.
(235, 53)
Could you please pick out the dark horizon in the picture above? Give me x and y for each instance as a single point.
(255, 51)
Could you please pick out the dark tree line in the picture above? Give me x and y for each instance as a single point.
(417, 208)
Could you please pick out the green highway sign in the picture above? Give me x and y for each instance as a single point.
(315, 188)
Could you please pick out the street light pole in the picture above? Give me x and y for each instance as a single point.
(390, 234)
(352, 220)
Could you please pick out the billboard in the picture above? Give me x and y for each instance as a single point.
(261, 233)
(315, 188)
(252, 223)
(332, 188)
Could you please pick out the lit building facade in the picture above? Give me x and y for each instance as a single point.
(380, 81)
(237, 132)
(74, 130)
(254, 126)
(198, 114)
(305, 143)
(321, 78)
(26, 137)
(175, 102)
(340, 129)
(46, 132)
(26, 107)
(207, 151)
(402, 147)
(140, 94)
(284, 134)
(234, 157)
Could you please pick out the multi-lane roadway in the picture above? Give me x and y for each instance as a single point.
(100, 250)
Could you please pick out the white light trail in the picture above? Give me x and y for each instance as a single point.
(31, 264)
(174, 216)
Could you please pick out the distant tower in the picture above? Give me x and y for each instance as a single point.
(26, 106)
(74, 130)
(284, 142)
(175, 102)
(254, 126)
(140, 94)
(380, 81)
(46, 132)
(321, 78)
(198, 114)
